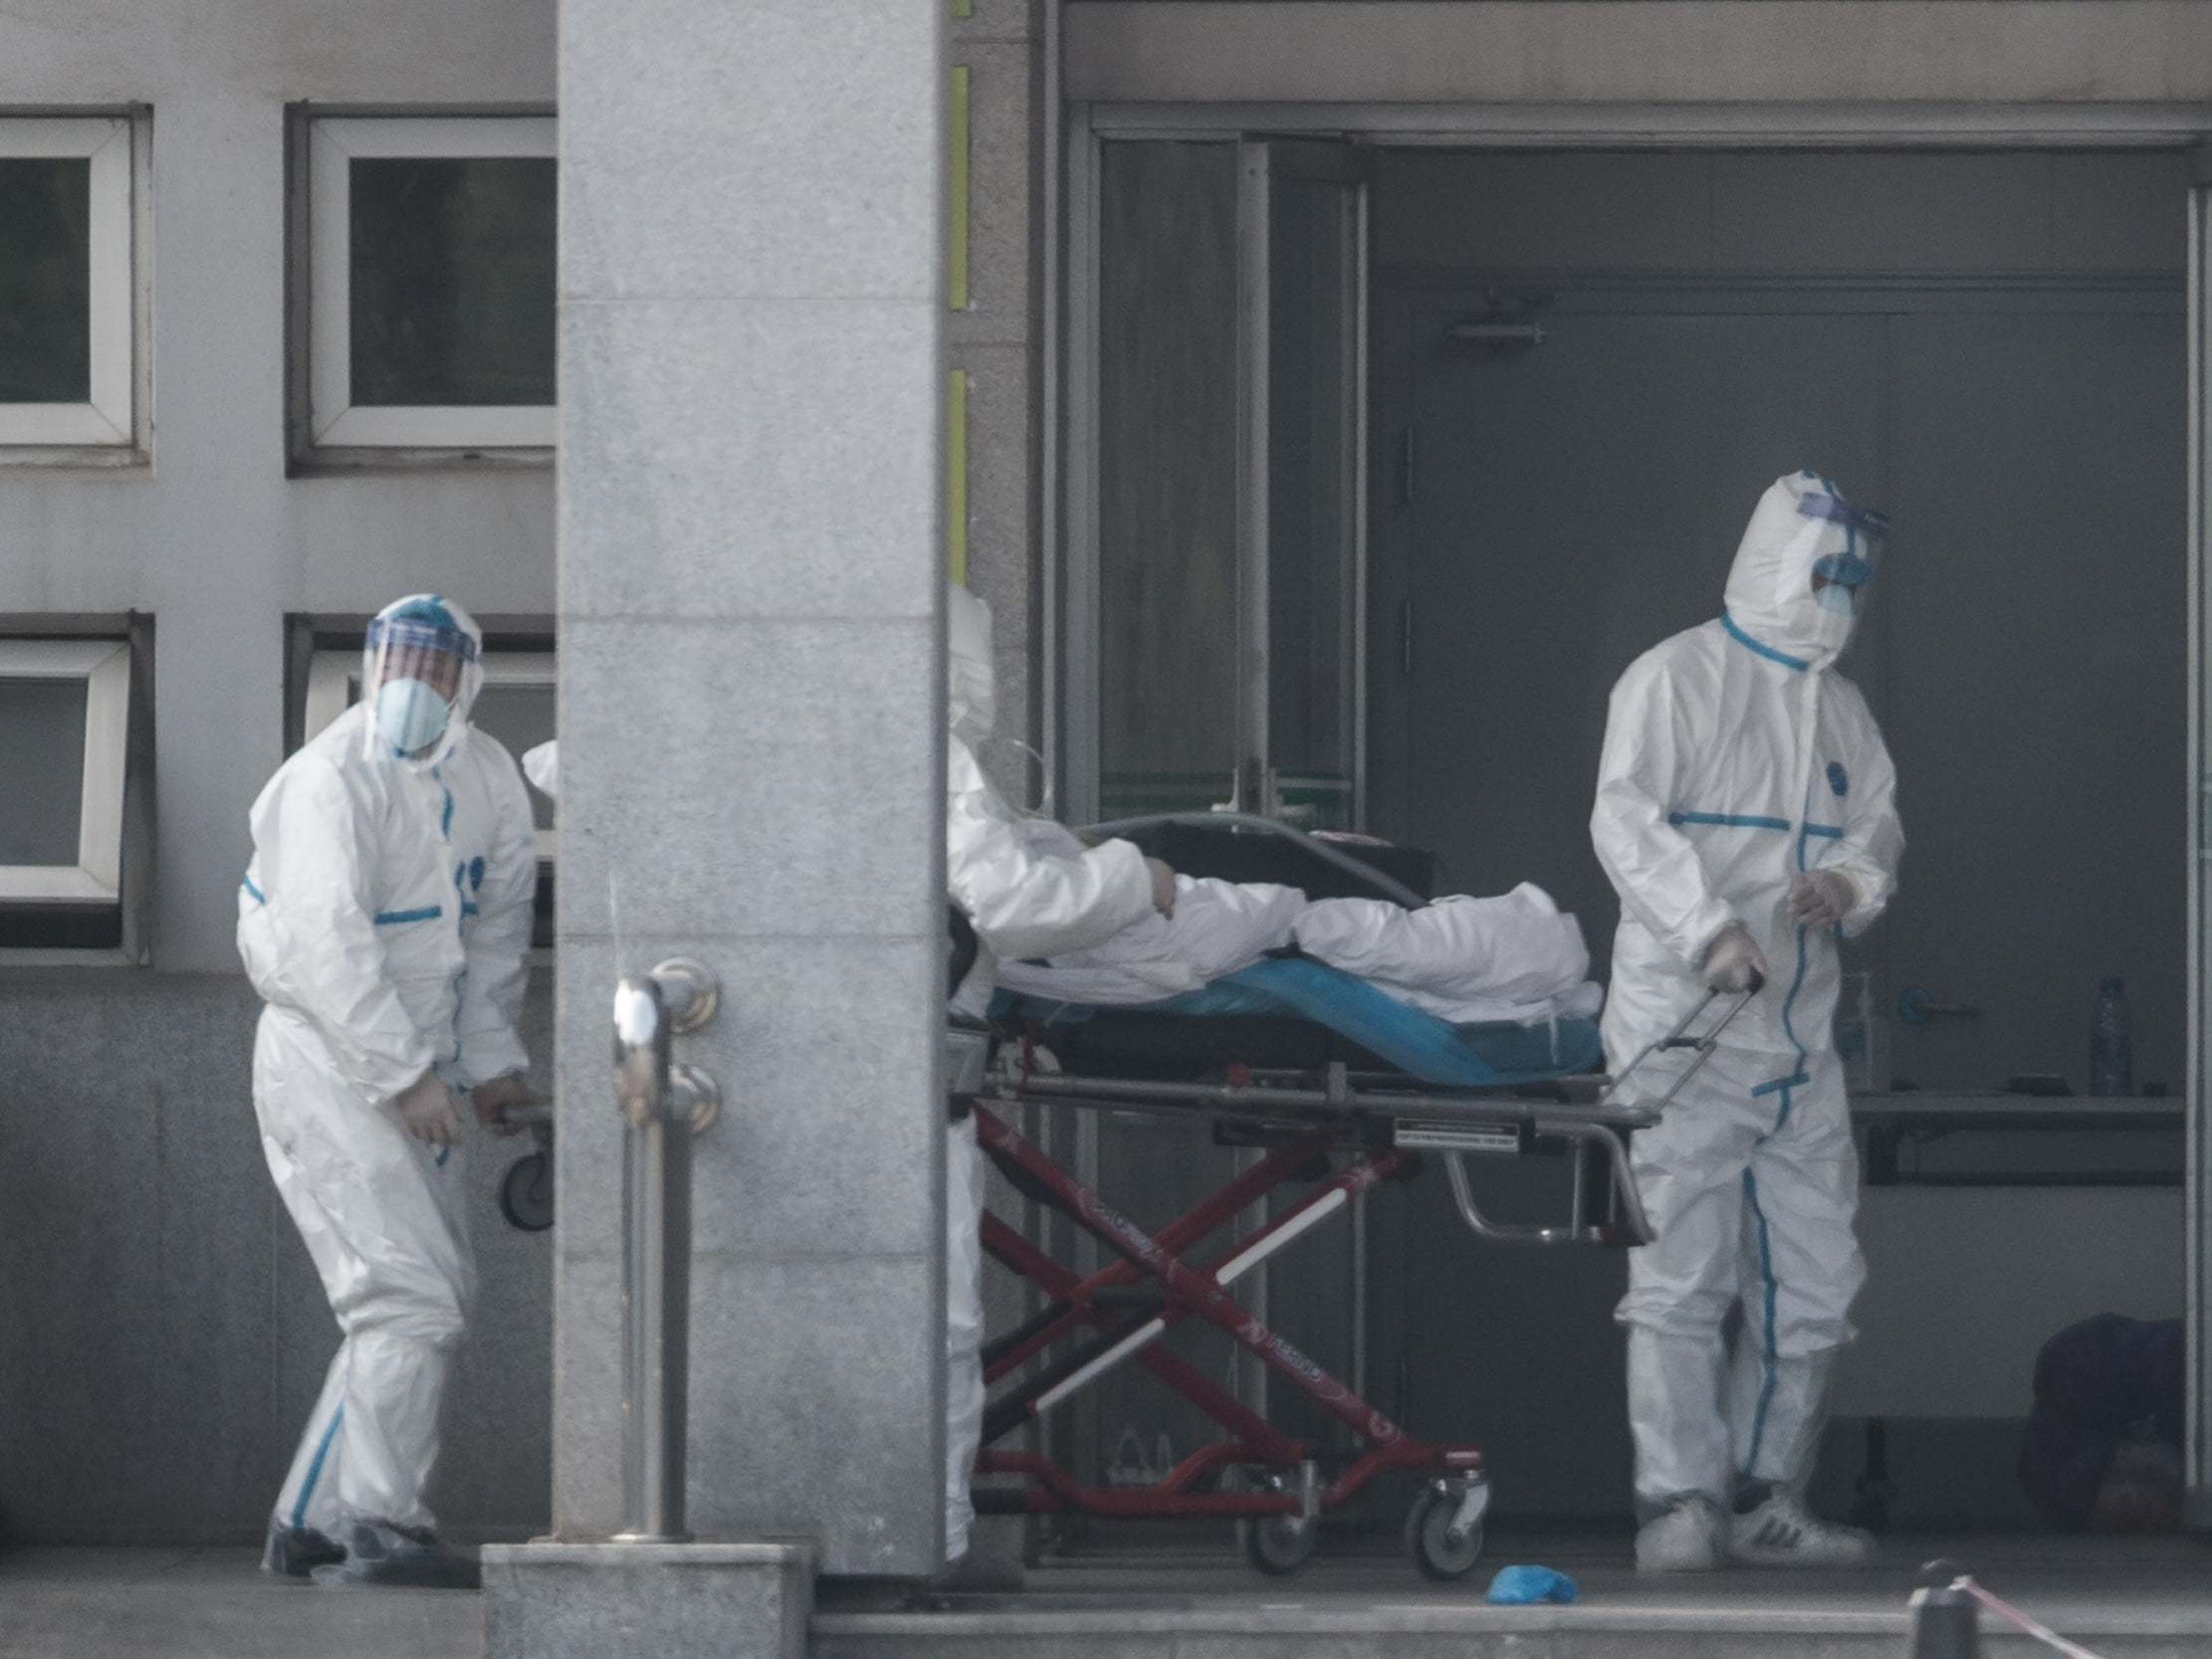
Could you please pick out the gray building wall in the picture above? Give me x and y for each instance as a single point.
(1687, 51)
(163, 1333)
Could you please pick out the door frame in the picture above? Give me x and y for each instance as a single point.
(1261, 162)
(1070, 557)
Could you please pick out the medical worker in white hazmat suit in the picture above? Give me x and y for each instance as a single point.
(1030, 887)
(383, 921)
(1746, 813)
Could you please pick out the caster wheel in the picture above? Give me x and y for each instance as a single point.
(526, 1193)
(1274, 1543)
(1431, 1539)
(1279, 1543)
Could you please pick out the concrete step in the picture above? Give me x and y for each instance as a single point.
(1434, 1633)
(2149, 1599)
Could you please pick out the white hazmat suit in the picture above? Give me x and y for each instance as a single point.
(1737, 761)
(383, 921)
(1031, 888)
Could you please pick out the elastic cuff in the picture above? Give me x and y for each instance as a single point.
(1705, 950)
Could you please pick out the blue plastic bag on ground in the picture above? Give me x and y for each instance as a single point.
(1521, 1586)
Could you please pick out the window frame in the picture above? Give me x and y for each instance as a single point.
(328, 425)
(104, 664)
(332, 671)
(112, 427)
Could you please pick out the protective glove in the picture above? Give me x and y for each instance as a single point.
(1163, 886)
(426, 1111)
(1733, 963)
(1822, 899)
(494, 1097)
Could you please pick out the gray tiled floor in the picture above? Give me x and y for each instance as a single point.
(214, 1604)
(2119, 1596)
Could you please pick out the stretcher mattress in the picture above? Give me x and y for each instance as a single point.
(1294, 1014)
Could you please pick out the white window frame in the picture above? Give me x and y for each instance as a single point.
(110, 419)
(104, 667)
(334, 420)
(331, 682)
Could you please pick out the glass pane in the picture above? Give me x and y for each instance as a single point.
(41, 769)
(452, 263)
(521, 718)
(46, 328)
(1167, 464)
(1310, 531)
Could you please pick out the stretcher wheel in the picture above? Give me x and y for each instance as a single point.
(1279, 1543)
(1276, 1544)
(1430, 1539)
(526, 1193)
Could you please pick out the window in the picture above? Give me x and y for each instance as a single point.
(66, 751)
(69, 296)
(515, 705)
(429, 262)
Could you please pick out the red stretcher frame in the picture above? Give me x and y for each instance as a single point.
(1120, 1312)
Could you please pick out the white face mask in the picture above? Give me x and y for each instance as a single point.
(411, 714)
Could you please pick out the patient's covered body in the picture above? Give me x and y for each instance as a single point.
(1514, 959)
(1217, 928)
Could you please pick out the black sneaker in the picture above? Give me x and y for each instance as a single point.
(296, 1552)
(383, 1553)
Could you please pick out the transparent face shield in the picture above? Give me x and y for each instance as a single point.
(419, 678)
(1848, 553)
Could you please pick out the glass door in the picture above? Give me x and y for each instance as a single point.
(1214, 592)
(2199, 1448)
(1301, 326)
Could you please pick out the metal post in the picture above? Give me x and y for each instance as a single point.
(1946, 1620)
(664, 1105)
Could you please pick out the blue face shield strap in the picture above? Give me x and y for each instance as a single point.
(1863, 519)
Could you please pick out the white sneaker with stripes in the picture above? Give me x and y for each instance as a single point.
(1781, 1532)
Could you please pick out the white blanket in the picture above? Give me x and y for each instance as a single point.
(1468, 961)
(1512, 958)
(1217, 928)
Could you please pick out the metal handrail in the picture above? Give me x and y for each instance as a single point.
(664, 1104)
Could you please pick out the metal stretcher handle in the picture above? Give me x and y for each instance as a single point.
(1629, 1225)
(1679, 1040)
(1327, 852)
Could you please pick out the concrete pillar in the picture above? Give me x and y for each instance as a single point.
(994, 336)
(752, 769)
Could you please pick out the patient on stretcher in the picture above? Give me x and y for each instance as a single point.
(1514, 959)
(1511, 960)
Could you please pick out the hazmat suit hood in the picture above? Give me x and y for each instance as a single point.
(1803, 528)
(969, 686)
(402, 638)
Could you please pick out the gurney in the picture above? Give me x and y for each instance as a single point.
(1330, 1084)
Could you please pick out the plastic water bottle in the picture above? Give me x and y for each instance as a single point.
(2112, 1041)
